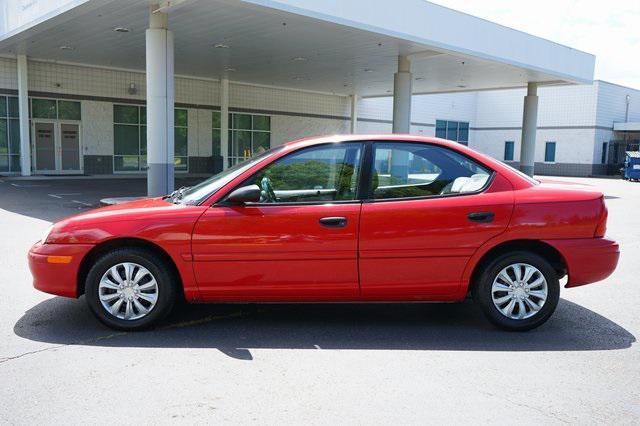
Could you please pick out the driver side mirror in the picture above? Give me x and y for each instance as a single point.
(245, 194)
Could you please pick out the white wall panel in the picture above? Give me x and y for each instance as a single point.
(204, 132)
(97, 128)
(612, 103)
(288, 128)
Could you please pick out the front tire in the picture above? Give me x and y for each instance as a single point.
(130, 289)
(517, 291)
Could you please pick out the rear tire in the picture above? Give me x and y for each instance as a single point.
(517, 291)
(130, 289)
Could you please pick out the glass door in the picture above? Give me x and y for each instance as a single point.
(45, 147)
(56, 147)
(69, 147)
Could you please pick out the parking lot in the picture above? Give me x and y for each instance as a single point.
(345, 363)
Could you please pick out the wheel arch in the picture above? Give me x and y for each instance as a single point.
(128, 242)
(541, 248)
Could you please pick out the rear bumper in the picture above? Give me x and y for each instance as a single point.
(54, 267)
(588, 260)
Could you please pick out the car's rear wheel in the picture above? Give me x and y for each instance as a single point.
(130, 289)
(517, 291)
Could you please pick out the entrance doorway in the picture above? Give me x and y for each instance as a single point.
(56, 147)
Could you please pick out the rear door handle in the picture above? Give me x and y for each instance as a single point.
(481, 217)
(333, 222)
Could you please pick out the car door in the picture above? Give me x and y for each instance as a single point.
(430, 208)
(298, 243)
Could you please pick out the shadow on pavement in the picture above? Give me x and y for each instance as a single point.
(236, 329)
(55, 199)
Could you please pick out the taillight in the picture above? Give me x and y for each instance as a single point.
(601, 229)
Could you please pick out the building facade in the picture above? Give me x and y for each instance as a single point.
(92, 120)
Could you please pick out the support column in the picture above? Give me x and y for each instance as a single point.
(160, 100)
(354, 114)
(23, 108)
(224, 122)
(529, 128)
(402, 96)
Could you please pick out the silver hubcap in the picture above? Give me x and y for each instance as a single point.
(519, 291)
(128, 291)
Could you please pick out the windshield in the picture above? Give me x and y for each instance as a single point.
(198, 193)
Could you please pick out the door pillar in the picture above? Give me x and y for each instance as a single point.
(23, 110)
(160, 101)
(529, 130)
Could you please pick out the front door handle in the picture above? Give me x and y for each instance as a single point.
(333, 222)
(481, 217)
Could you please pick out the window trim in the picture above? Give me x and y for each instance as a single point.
(224, 203)
(369, 196)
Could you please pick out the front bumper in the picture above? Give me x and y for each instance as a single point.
(54, 267)
(588, 260)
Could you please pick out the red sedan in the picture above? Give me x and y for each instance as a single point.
(343, 218)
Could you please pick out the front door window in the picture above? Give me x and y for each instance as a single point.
(319, 174)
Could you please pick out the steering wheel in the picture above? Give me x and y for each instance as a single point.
(267, 193)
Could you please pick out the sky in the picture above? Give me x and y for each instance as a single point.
(608, 29)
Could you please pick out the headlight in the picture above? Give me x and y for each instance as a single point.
(46, 234)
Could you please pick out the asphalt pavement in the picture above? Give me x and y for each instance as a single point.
(313, 364)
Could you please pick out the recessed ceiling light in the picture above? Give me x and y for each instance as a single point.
(368, 70)
(66, 48)
(230, 69)
(121, 30)
(220, 46)
(298, 78)
(419, 78)
(299, 59)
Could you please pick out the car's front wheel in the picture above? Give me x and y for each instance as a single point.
(517, 291)
(130, 289)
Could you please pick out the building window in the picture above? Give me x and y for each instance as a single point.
(181, 136)
(508, 150)
(249, 135)
(130, 138)
(550, 152)
(9, 134)
(457, 131)
(55, 109)
(603, 156)
(215, 134)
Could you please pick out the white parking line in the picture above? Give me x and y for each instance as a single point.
(28, 186)
(81, 202)
(61, 195)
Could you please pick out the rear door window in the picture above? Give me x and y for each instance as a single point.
(409, 170)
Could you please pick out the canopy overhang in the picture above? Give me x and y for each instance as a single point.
(342, 47)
